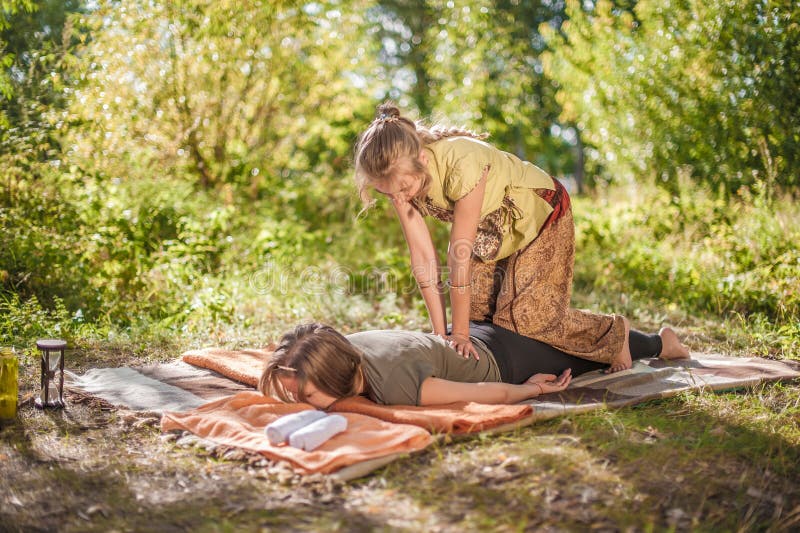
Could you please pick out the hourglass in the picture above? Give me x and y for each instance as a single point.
(52, 393)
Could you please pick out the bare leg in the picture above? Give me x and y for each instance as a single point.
(671, 346)
(623, 361)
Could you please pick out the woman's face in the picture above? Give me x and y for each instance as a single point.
(401, 188)
(314, 396)
(405, 184)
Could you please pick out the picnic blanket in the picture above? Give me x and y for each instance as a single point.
(650, 379)
(133, 389)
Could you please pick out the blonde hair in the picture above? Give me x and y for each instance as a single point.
(316, 353)
(393, 142)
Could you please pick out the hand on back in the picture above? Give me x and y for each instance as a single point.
(462, 344)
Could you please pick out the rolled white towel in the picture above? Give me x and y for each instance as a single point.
(278, 432)
(316, 433)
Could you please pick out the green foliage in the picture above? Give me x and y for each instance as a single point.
(38, 228)
(697, 252)
(182, 168)
(110, 248)
(36, 44)
(245, 93)
(8, 10)
(480, 65)
(706, 85)
(38, 241)
(23, 322)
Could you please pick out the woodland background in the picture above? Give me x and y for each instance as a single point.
(181, 168)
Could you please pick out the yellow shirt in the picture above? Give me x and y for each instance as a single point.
(510, 204)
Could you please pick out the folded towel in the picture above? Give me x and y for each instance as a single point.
(278, 432)
(245, 366)
(239, 421)
(313, 435)
(457, 418)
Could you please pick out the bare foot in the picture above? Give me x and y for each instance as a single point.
(671, 346)
(623, 360)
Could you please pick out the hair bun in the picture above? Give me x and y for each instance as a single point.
(387, 111)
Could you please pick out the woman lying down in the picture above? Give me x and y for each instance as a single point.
(318, 365)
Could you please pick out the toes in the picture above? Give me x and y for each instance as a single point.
(618, 367)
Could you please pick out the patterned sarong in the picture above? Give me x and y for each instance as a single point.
(529, 292)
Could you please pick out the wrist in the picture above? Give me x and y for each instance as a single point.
(460, 332)
(438, 326)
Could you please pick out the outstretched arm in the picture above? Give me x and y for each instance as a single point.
(436, 391)
(424, 264)
(466, 215)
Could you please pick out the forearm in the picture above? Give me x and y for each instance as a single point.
(460, 265)
(437, 391)
(515, 393)
(499, 393)
(434, 302)
(460, 306)
(428, 277)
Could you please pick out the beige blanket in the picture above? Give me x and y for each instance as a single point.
(655, 378)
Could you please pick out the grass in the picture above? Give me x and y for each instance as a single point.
(699, 461)
(673, 463)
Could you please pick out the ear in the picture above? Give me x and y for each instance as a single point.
(423, 157)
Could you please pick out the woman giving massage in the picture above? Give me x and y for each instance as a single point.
(318, 365)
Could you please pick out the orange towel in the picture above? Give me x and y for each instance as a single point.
(462, 417)
(240, 420)
(244, 366)
(457, 418)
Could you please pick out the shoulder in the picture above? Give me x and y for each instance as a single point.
(392, 346)
(386, 335)
(454, 148)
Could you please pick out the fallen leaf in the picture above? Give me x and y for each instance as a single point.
(589, 494)
(95, 509)
(653, 433)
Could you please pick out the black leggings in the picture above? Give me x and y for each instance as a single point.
(519, 357)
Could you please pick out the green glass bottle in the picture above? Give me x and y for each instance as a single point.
(8, 382)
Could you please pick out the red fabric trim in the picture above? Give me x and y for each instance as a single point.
(558, 200)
